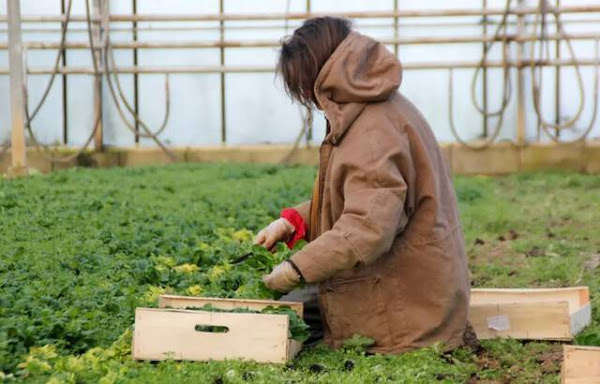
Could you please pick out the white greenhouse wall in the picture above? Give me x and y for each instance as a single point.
(257, 109)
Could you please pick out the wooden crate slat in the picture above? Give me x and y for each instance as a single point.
(582, 381)
(537, 313)
(581, 319)
(542, 321)
(576, 296)
(170, 333)
(581, 365)
(173, 301)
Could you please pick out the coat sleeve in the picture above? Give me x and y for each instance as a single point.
(304, 210)
(374, 193)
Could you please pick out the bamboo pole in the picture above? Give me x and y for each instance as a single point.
(275, 43)
(275, 26)
(222, 82)
(309, 135)
(97, 10)
(136, 85)
(65, 98)
(17, 112)
(485, 74)
(520, 82)
(303, 15)
(396, 28)
(557, 80)
(82, 70)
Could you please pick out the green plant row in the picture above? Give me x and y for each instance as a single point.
(81, 249)
(298, 328)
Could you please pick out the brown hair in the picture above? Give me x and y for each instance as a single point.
(304, 53)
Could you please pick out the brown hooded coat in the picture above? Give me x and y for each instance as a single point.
(386, 242)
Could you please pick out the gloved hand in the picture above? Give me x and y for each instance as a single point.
(278, 230)
(283, 278)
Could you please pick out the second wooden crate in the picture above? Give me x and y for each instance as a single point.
(534, 314)
(581, 365)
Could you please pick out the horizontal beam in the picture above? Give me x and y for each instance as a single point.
(276, 43)
(80, 70)
(361, 25)
(305, 15)
(499, 158)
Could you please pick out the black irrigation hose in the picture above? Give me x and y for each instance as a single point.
(590, 126)
(118, 96)
(502, 27)
(111, 66)
(108, 54)
(63, 38)
(130, 126)
(507, 88)
(97, 77)
(536, 83)
(43, 149)
(488, 141)
(537, 77)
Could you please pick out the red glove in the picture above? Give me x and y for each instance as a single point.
(294, 218)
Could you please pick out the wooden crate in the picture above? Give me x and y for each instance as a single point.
(181, 302)
(534, 314)
(581, 365)
(173, 332)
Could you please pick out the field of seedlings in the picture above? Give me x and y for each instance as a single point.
(81, 249)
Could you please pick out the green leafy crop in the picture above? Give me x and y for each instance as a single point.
(81, 249)
(298, 328)
(589, 339)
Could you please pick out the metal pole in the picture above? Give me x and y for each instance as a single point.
(309, 134)
(65, 98)
(136, 99)
(485, 75)
(300, 16)
(97, 36)
(557, 79)
(520, 81)
(17, 112)
(275, 26)
(150, 44)
(396, 27)
(222, 61)
(431, 65)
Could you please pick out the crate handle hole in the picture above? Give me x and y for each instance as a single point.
(211, 328)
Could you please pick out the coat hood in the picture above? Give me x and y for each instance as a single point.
(360, 71)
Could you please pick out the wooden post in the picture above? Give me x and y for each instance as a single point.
(97, 8)
(396, 27)
(557, 79)
(222, 61)
(65, 99)
(17, 113)
(309, 133)
(520, 80)
(485, 74)
(136, 86)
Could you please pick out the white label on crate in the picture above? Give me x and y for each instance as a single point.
(498, 323)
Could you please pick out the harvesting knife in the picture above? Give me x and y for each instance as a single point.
(242, 258)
